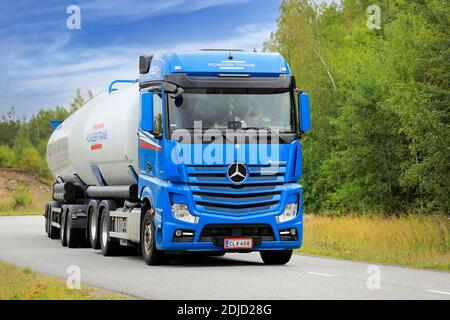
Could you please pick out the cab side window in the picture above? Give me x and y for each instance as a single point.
(157, 114)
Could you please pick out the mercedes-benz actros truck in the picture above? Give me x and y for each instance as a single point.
(201, 153)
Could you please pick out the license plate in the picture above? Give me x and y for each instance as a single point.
(238, 243)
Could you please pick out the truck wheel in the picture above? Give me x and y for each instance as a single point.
(276, 257)
(53, 231)
(46, 218)
(74, 237)
(150, 254)
(109, 247)
(93, 233)
(216, 254)
(63, 233)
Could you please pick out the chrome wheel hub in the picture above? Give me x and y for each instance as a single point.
(148, 241)
(93, 227)
(104, 232)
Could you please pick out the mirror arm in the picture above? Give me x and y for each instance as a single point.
(178, 93)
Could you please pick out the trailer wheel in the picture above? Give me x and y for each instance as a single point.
(74, 236)
(109, 247)
(150, 254)
(93, 233)
(63, 233)
(276, 257)
(46, 218)
(53, 231)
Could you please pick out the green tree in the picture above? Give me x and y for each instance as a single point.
(79, 100)
(9, 126)
(380, 102)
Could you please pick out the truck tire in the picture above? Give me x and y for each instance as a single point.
(53, 231)
(276, 257)
(74, 236)
(109, 247)
(93, 228)
(150, 254)
(216, 253)
(46, 218)
(63, 233)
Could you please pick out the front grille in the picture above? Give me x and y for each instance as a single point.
(216, 233)
(212, 191)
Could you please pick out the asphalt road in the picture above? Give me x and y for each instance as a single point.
(235, 276)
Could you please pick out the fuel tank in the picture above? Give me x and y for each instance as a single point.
(98, 144)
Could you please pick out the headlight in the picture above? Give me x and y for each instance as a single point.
(181, 212)
(290, 212)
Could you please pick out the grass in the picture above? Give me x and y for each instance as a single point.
(22, 192)
(23, 284)
(415, 241)
(36, 207)
(22, 212)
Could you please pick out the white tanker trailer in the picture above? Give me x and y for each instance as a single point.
(107, 124)
(116, 183)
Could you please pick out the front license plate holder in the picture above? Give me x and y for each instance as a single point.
(237, 243)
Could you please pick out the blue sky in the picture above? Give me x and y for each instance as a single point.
(42, 63)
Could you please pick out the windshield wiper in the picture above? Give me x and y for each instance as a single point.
(269, 129)
(224, 133)
(192, 130)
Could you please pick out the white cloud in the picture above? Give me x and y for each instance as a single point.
(137, 9)
(50, 74)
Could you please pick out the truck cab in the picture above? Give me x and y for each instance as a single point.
(219, 154)
(200, 154)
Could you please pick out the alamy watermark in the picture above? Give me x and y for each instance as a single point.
(73, 21)
(212, 146)
(373, 17)
(74, 278)
(374, 279)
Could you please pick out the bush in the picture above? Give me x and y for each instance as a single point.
(32, 161)
(21, 197)
(7, 157)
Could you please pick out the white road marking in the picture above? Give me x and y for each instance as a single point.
(437, 291)
(321, 274)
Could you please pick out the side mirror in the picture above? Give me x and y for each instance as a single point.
(147, 111)
(303, 111)
(144, 63)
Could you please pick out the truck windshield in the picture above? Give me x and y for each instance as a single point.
(233, 109)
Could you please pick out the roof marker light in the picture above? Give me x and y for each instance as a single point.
(177, 67)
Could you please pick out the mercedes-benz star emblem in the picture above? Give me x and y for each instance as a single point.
(237, 172)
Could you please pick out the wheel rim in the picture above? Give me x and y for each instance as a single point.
(148, 240)
(104, 231)
(46, 217)
(93, 226)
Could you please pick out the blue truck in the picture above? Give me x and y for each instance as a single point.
(200, 154)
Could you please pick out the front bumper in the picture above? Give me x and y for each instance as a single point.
(166, 230)
(163, 193)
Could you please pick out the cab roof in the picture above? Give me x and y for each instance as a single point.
(212, 62)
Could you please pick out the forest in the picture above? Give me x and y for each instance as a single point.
(379, 90)
(23, 142)
(377, 73)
